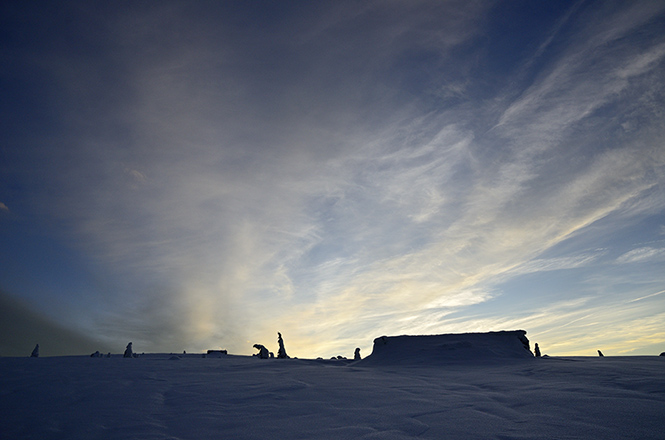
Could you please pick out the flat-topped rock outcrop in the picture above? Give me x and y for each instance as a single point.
(446, 348)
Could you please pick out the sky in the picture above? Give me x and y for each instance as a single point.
(203, 175)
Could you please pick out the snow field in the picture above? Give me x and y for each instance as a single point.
(242, 397)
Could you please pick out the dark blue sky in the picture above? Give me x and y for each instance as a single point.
(194, 175)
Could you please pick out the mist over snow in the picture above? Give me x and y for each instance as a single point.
(203, 175)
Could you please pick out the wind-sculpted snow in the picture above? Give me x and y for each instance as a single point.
(243, 397)
(443, 349)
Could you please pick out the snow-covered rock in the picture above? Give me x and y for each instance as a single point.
(263, 351)
(216, 353)
(281, 353)
(437, 349)
(128, 351)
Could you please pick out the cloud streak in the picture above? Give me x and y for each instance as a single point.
(331, 176)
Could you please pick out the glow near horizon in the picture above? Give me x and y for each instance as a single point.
(330, 176)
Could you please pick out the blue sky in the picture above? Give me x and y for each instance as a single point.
(195, 175)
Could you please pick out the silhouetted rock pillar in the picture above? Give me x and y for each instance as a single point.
(35, 352)
(600, 353)
(536, 349)
(128, 351)
(281, 353)
(356, 355)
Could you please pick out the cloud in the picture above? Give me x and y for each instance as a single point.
(221, 187)
(318, 175)
(640, 255)
(551, 264)
(578, 327)
(648, 296)
(587, 76)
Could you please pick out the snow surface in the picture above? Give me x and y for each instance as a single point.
(467, 393)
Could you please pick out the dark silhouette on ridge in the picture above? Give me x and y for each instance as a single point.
(128, 351)
(281, 353)
(263, 352)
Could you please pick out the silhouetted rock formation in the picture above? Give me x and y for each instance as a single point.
(128, 351)
(263, 352)
(356, 355)
(600, 353)
(96, 354)
(216, 353)
(281, 353)
(536, 350)
(35, 352)
(443, 349)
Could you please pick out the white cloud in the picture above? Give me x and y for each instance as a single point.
(286, 178)
(641, 255)
(647, 296)
(551, 264)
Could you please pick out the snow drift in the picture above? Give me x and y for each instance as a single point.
(437, 349)
(494, 392)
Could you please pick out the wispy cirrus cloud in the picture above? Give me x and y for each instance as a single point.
(642, 254)
(340, 172)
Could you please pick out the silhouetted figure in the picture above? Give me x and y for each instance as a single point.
(356, 355)
(263, 352)
(128, 351)
(96, 354)
(281, 353)
(35, 352)
(600, 353)
(537, 350)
